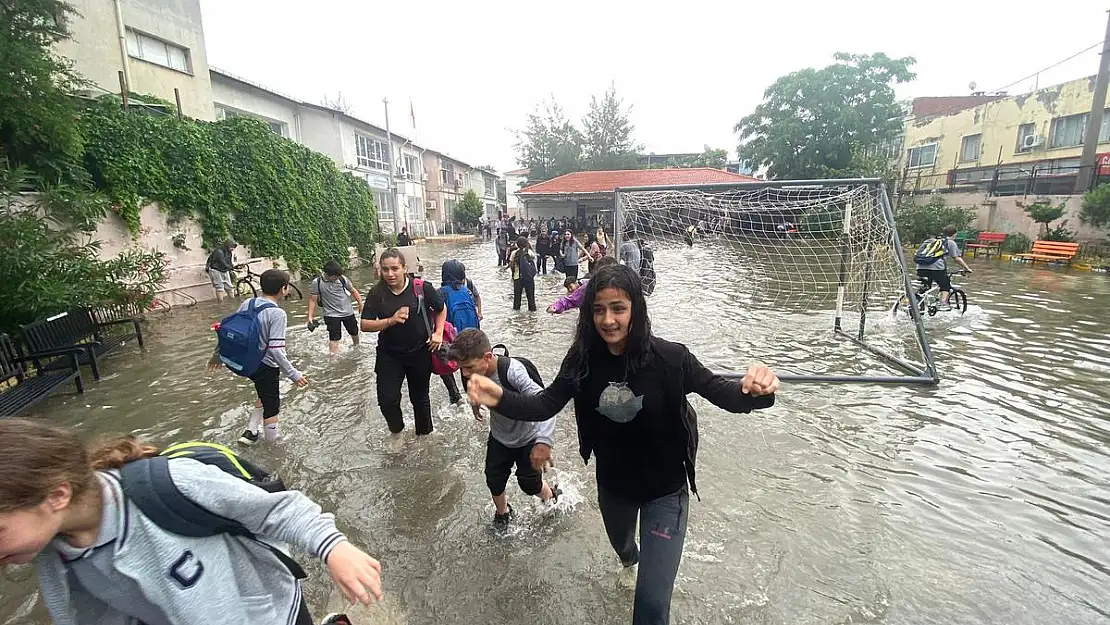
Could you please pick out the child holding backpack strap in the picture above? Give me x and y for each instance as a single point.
(101, 560)
(527, 445)
(523, 263)
(252, 344)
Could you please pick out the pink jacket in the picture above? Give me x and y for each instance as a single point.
(570, 300)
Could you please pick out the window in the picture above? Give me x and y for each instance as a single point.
(412, 167)
(156, 51)
(491, 185)
(1067, 131)
(1024, 131)
(371, 153)
(969, 148)
(416, 209)
(278, 128)
(449, 209)
(447, 174)
(384, 200)
(923, 156)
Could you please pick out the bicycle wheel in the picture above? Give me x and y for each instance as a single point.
(244, 286)
(958, 300)
(293, 293)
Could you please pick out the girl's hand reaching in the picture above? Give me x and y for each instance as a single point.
(482, 391)
(358, 575)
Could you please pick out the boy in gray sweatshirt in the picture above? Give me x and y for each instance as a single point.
(526, 444)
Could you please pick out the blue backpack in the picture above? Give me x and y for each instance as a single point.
(461, 311)
(240, 339)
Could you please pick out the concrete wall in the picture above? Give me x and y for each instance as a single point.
(513, 183)
(998, 123)
(1003, 214)
(95, 48)
(237, 95)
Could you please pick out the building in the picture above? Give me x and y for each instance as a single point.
(587, 194)
(514, 182)
(157, 44)
(1000, 144)
(447, 180)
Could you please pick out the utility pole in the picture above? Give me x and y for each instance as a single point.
(397, 219)
(1094, 119)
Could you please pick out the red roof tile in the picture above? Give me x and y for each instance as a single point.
(944, 105)
(608, 181)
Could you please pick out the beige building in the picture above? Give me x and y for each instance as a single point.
(447, 180)
(157, 44)
(1003, 145)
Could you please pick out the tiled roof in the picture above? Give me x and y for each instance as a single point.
(607, 181)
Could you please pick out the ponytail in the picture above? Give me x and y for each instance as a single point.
(113, 453)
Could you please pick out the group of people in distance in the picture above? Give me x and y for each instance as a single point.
(64, 506)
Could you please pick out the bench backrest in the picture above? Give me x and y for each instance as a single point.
(1057, 248)
(60, 330)
(992, 237)
(9, 366)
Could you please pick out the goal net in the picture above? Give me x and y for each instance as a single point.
(799, 275)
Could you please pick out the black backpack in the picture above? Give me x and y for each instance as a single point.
(527, 265)
(148, 484)
(503, 362)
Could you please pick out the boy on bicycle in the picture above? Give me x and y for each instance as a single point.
(931, 265)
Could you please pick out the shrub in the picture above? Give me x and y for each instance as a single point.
(1016, 244)
(917, 222)
(469, 209)
(1095, 210)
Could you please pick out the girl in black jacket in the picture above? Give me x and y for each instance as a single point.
(629, 390)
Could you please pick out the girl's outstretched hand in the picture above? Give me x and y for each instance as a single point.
(358, 575)
(482, 391)
(760, 380)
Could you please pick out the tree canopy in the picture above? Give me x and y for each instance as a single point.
(608, 140)
(817, 123)
(469, 209)
(550, 145)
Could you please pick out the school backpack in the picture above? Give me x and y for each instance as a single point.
(148, 484)
(441, 365)
(461, 310)
(931, 250)
(527, 265)
(503, 362)
(240, 339)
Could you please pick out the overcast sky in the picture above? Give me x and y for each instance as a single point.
(691, 70)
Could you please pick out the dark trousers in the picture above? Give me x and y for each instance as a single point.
(453, 387)
(501, 258)
(526, 286)
(499, 463)
(662, 534)
(266, 385)
(543, 264)
(391, 371)
(571, 270)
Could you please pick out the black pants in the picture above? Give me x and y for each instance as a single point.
(662, 534)
(499, 463)
(391, 371)
(940, 276)
(266, 385)
(452, 387)
(527, 286)
(501, 259)
(337, 324)
(571, 270)
(543, 264)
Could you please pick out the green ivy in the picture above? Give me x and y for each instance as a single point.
(236, 177)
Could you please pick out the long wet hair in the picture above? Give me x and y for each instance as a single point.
(38, 458)
(587, 339)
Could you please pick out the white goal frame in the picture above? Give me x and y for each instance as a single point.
(912, 372)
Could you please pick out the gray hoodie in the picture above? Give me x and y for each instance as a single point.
(190, 581)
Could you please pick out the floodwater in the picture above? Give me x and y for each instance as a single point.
(982, 500)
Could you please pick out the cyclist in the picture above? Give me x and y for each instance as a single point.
(931, 262)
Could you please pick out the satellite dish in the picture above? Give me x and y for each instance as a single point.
(971, 85)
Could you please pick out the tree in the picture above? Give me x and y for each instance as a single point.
(469, 209)
(338, 103)
(917, 222)
(608, 134)
(1044, 214)
(550, 145)
(813, 122)
(709, 157)
(1095, 210)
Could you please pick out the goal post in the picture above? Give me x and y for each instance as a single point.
(816, 263)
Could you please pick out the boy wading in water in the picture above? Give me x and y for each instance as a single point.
(526, 444)
(271, 321)
(334, 292)
(629, 390)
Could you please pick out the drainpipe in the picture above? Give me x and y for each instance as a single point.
(121, 31)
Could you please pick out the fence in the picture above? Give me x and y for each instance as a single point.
(1004, 180)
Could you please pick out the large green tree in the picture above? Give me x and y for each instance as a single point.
(549, 145)
(817, 123)
(469, 209)
(608, 134)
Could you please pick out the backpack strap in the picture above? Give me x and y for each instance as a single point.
(503, 363)
(418, 288)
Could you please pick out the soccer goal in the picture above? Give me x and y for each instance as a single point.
(799, 274)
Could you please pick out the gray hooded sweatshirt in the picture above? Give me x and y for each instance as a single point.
(177, 580)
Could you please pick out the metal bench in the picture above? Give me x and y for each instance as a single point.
(80, 328)
(19, 391)
(988, 243)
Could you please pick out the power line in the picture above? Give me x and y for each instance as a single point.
(1018, 81)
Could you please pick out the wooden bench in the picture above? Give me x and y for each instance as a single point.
(988, 242)
(19, 391)
(1051, 252)
(80, 328)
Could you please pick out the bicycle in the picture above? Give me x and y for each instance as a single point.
(249, 283)
(928, 297)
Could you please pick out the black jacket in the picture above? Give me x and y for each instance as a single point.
(682, 374)
(220, 259)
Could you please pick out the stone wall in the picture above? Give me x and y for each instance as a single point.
(1003, 214)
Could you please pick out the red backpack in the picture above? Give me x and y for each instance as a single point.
(440, 364)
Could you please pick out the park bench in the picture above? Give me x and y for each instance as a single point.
(18, 390)
(80, 328)
(1050, 251)
(987, 242)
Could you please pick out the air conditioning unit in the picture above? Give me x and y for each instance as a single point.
(430, 205)
(1032, 141)
(424, 177)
